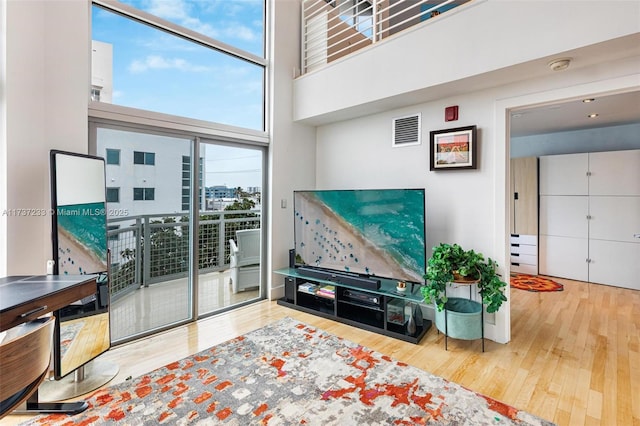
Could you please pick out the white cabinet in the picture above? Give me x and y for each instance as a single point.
(564, 216)
(614, 263)
(614, 218)
(564, 174)
(524, 254)
(589, 213)
(564, 257)
(615, 173)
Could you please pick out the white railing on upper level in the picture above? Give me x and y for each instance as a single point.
(332, 29)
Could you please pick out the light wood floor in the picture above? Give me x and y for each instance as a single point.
(92, 339)
(574, 357)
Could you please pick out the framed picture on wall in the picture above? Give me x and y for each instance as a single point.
(453, 148)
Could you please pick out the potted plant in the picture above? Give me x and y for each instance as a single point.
(451, 263)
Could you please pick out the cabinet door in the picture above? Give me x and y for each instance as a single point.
(614, 263)
(564, 257)
(564, 216)
(615, 173)
(564, 174)
(614, 219)
(524, 183)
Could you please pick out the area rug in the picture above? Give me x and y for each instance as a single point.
(534, 283)
(290, 373)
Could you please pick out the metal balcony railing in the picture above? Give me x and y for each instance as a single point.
(332, 29)
(154, 248)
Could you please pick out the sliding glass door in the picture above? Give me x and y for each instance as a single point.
(178, 228)
(229, 228)
(148, 229)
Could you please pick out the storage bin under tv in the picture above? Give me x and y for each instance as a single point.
(379, 310)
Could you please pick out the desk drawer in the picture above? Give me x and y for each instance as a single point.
(35, 308)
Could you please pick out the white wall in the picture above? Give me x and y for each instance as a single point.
(292, 154)
(3, 140)
(46, 96)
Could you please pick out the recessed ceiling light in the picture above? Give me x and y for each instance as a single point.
(586, 101)
(592, 115)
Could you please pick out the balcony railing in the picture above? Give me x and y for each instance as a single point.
(332, 29)
(154, 248)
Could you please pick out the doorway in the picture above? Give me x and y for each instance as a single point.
(564, 129)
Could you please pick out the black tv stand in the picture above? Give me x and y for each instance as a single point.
(382, 309)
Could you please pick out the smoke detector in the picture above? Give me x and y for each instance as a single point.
(559, 64)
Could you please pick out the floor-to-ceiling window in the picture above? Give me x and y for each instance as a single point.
(177, 111)
(232, 178)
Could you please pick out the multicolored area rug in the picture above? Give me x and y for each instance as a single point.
(290, 373)
(534, 283)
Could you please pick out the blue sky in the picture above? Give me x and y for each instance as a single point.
(156, 71)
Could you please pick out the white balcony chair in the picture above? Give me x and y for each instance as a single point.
(245, 260)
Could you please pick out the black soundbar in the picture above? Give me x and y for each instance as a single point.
(351, 280)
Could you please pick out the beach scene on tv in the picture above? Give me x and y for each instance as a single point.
(368, 232)
(82, 239)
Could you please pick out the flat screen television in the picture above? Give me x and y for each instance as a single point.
(79, 243)
(368, 232)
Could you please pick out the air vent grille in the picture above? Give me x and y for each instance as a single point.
(406, 130)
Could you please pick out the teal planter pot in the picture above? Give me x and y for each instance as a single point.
(463, 319)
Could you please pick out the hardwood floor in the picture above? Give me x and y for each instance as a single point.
(574, 357)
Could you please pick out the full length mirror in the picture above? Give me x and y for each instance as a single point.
(79, 237)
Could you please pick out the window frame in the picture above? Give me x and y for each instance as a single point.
(146, 193)
(107, 115)
(120, 112)
(106, 156)
(117, 189)
(144, 158)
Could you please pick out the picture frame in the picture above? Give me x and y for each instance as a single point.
(453, 149)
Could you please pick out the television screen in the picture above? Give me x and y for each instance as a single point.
(375, 233)
(79, 240)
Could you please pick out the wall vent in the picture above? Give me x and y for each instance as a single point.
(406, 130)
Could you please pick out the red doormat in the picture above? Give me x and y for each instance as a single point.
(534, 283)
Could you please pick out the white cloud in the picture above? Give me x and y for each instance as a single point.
(169, 10)
(239, 31)
(152, 62)
(181, 12)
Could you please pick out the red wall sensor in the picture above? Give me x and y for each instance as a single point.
(451, 113)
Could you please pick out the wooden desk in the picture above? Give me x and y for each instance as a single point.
(23, 298)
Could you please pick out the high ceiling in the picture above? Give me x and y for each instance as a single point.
(612, 110)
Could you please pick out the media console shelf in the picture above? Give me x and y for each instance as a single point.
(381, 311)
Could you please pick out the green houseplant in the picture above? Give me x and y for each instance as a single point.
(450, 263)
